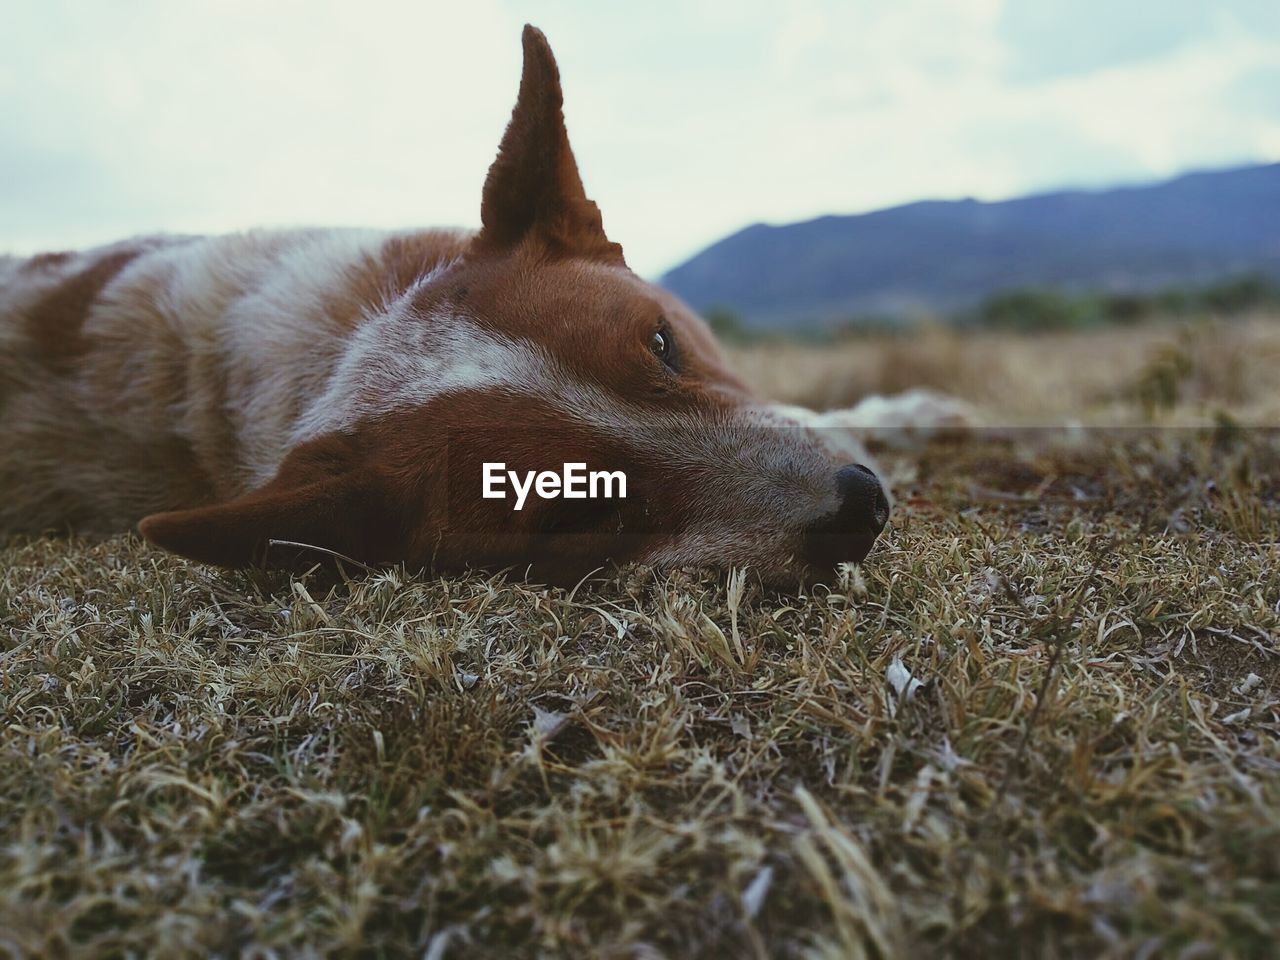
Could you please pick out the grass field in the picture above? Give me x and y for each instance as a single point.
(1042, 720)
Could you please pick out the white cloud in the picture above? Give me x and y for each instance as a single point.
(251, 113)
(689, 120)
(1171, 111)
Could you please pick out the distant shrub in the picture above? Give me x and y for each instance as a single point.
(1023, 309)
(1034, 308)
(725, 323)
(1159, 384)
(1230, 296)
(873, 325)
(1127, 307)
(1241, 293)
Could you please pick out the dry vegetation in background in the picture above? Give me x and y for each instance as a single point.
(1042, 720)
(1160, 372)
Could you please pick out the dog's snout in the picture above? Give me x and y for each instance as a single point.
(846, 536)
(862, 499)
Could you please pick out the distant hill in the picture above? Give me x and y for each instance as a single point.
(940, 256)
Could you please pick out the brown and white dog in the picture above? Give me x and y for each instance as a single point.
(343, 389)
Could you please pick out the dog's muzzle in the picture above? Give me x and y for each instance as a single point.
(847, 535)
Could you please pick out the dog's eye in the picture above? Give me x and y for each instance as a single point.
(663, 346)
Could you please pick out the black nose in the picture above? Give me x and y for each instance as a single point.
(862, 500)
(847, 534)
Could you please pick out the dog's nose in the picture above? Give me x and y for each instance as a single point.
(847, 534)
(862, 499)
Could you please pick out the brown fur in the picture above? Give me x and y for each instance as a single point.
(384, 275)
(46, 261)
(55, 323)
(533, 189)
(403, 489)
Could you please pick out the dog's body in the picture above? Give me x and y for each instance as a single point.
(343, 388)
(161, 374)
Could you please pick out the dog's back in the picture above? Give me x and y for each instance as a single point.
(167, 372)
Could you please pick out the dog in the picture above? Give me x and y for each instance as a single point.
(282, 397)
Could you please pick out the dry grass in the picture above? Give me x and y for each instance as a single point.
(195, 764)
(1163, 372)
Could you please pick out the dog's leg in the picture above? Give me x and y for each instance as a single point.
(901, 421)
(904, 421)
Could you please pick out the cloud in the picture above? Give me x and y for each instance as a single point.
(210, 118)
(689, 120)
(1053, 38)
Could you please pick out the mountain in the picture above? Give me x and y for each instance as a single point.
(939, 256)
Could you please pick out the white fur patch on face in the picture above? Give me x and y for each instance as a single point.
(398, 359)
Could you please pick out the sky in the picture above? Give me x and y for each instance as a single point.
(690, 120)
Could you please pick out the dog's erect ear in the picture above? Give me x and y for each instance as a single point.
(323, 495)
(533, 188)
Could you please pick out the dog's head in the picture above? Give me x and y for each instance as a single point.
(534, 349)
